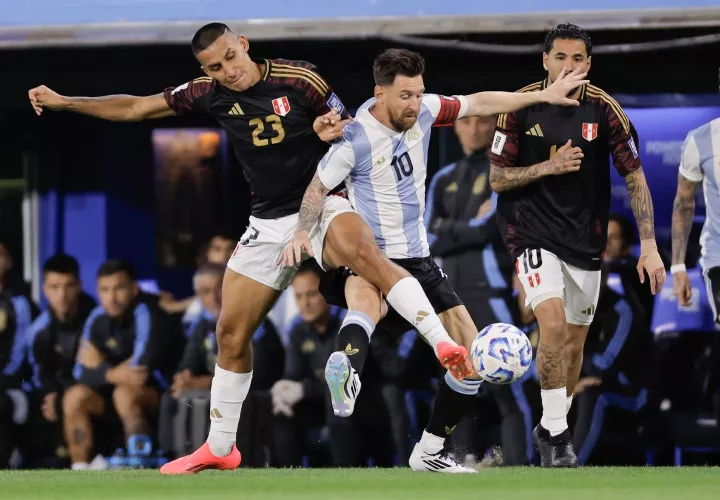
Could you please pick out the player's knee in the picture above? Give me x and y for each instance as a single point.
(233, 343)
(76, 399)
(124, 399)
(553, 328)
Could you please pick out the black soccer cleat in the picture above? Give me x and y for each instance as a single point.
(541, 438)
(563, 453)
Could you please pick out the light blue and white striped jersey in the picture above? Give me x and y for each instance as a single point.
(385, 173)
(701, 162)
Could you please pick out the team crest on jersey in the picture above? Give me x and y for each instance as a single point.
(589, 131)
(413, 134)
(281, 105)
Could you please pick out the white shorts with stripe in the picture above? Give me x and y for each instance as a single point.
(256, 253)
(543, 276)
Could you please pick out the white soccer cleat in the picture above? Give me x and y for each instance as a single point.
(344, 383)
(439, 462)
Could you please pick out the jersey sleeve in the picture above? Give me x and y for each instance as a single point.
(506, 141)
(307, 80)
(339, 161)
(690, 160)
(445, 110)
(623, 139)
(191, 96)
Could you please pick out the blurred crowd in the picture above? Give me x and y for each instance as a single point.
(126, 381)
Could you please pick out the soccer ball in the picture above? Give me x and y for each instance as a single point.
(501, 353)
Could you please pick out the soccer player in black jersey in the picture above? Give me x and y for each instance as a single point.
(278, 115)
(550, 166)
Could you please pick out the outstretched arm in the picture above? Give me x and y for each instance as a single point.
(121, 108)
(493, 103)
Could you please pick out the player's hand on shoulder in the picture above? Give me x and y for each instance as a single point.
(566, 159)
(682, 288)
(43, 97)
(566, 83)
(292, 254)
(329, 127)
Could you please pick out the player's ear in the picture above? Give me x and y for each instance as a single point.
(545, 61)
(244, 42)
(378, 92)
(589, 62)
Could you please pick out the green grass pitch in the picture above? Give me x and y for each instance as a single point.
(368, 484)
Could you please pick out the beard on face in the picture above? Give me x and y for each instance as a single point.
(403, 122)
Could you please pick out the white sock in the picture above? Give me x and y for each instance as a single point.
(227, 394)
(409, 300)
(80, 466)
(554, 417)
(568, 404)
(430, 443)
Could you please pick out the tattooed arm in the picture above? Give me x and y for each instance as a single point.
(312, 204)
(682, 218)
(566, 159)
(641, 202)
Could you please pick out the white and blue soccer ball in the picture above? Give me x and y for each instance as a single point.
(501, 353)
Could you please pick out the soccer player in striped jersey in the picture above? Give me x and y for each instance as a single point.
(383, 161)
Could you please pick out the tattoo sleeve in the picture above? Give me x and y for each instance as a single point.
(641, 202)
(552, 369)
(312, 204)
(682, 218)
(504, 179)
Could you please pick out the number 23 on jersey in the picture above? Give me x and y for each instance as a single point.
(259, 124)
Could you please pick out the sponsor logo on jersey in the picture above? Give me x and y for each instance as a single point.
(236, 110)
(633, 148)
(589, 131)
(334, 102)
(535, 131)
(498, 142)
(281, 105)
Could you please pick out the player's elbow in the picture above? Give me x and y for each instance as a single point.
(496, 183)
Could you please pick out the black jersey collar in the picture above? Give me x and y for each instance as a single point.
(583, 89)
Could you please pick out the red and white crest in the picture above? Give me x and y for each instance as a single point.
(589, 131)
(281, 105)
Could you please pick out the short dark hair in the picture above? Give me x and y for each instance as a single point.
(224, 234)
(310, 266)
(206, 36)
(626, 228)
(394, 62)
(110, 267)
(62, 263)
(567, 31)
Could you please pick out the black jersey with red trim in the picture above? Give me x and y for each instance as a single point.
(270, 127)
(565, 214)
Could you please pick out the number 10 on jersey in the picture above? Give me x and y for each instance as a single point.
(403, 165)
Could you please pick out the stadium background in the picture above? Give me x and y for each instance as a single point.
(87, 187)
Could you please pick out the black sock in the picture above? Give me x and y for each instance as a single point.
(353, 340)
(450, 406)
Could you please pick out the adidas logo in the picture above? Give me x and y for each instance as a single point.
(589, 311)
(236, 110)
(536, 131)
(350, 351)
(449, 430)
(215, 413)
(436, 464)
(421, 315)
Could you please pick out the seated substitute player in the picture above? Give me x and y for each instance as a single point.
(52, 343)
(128, 352)
(277, 114)
(550, 167)
(383, 160)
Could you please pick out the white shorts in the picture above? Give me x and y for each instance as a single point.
(544, 276)
(257, 252)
